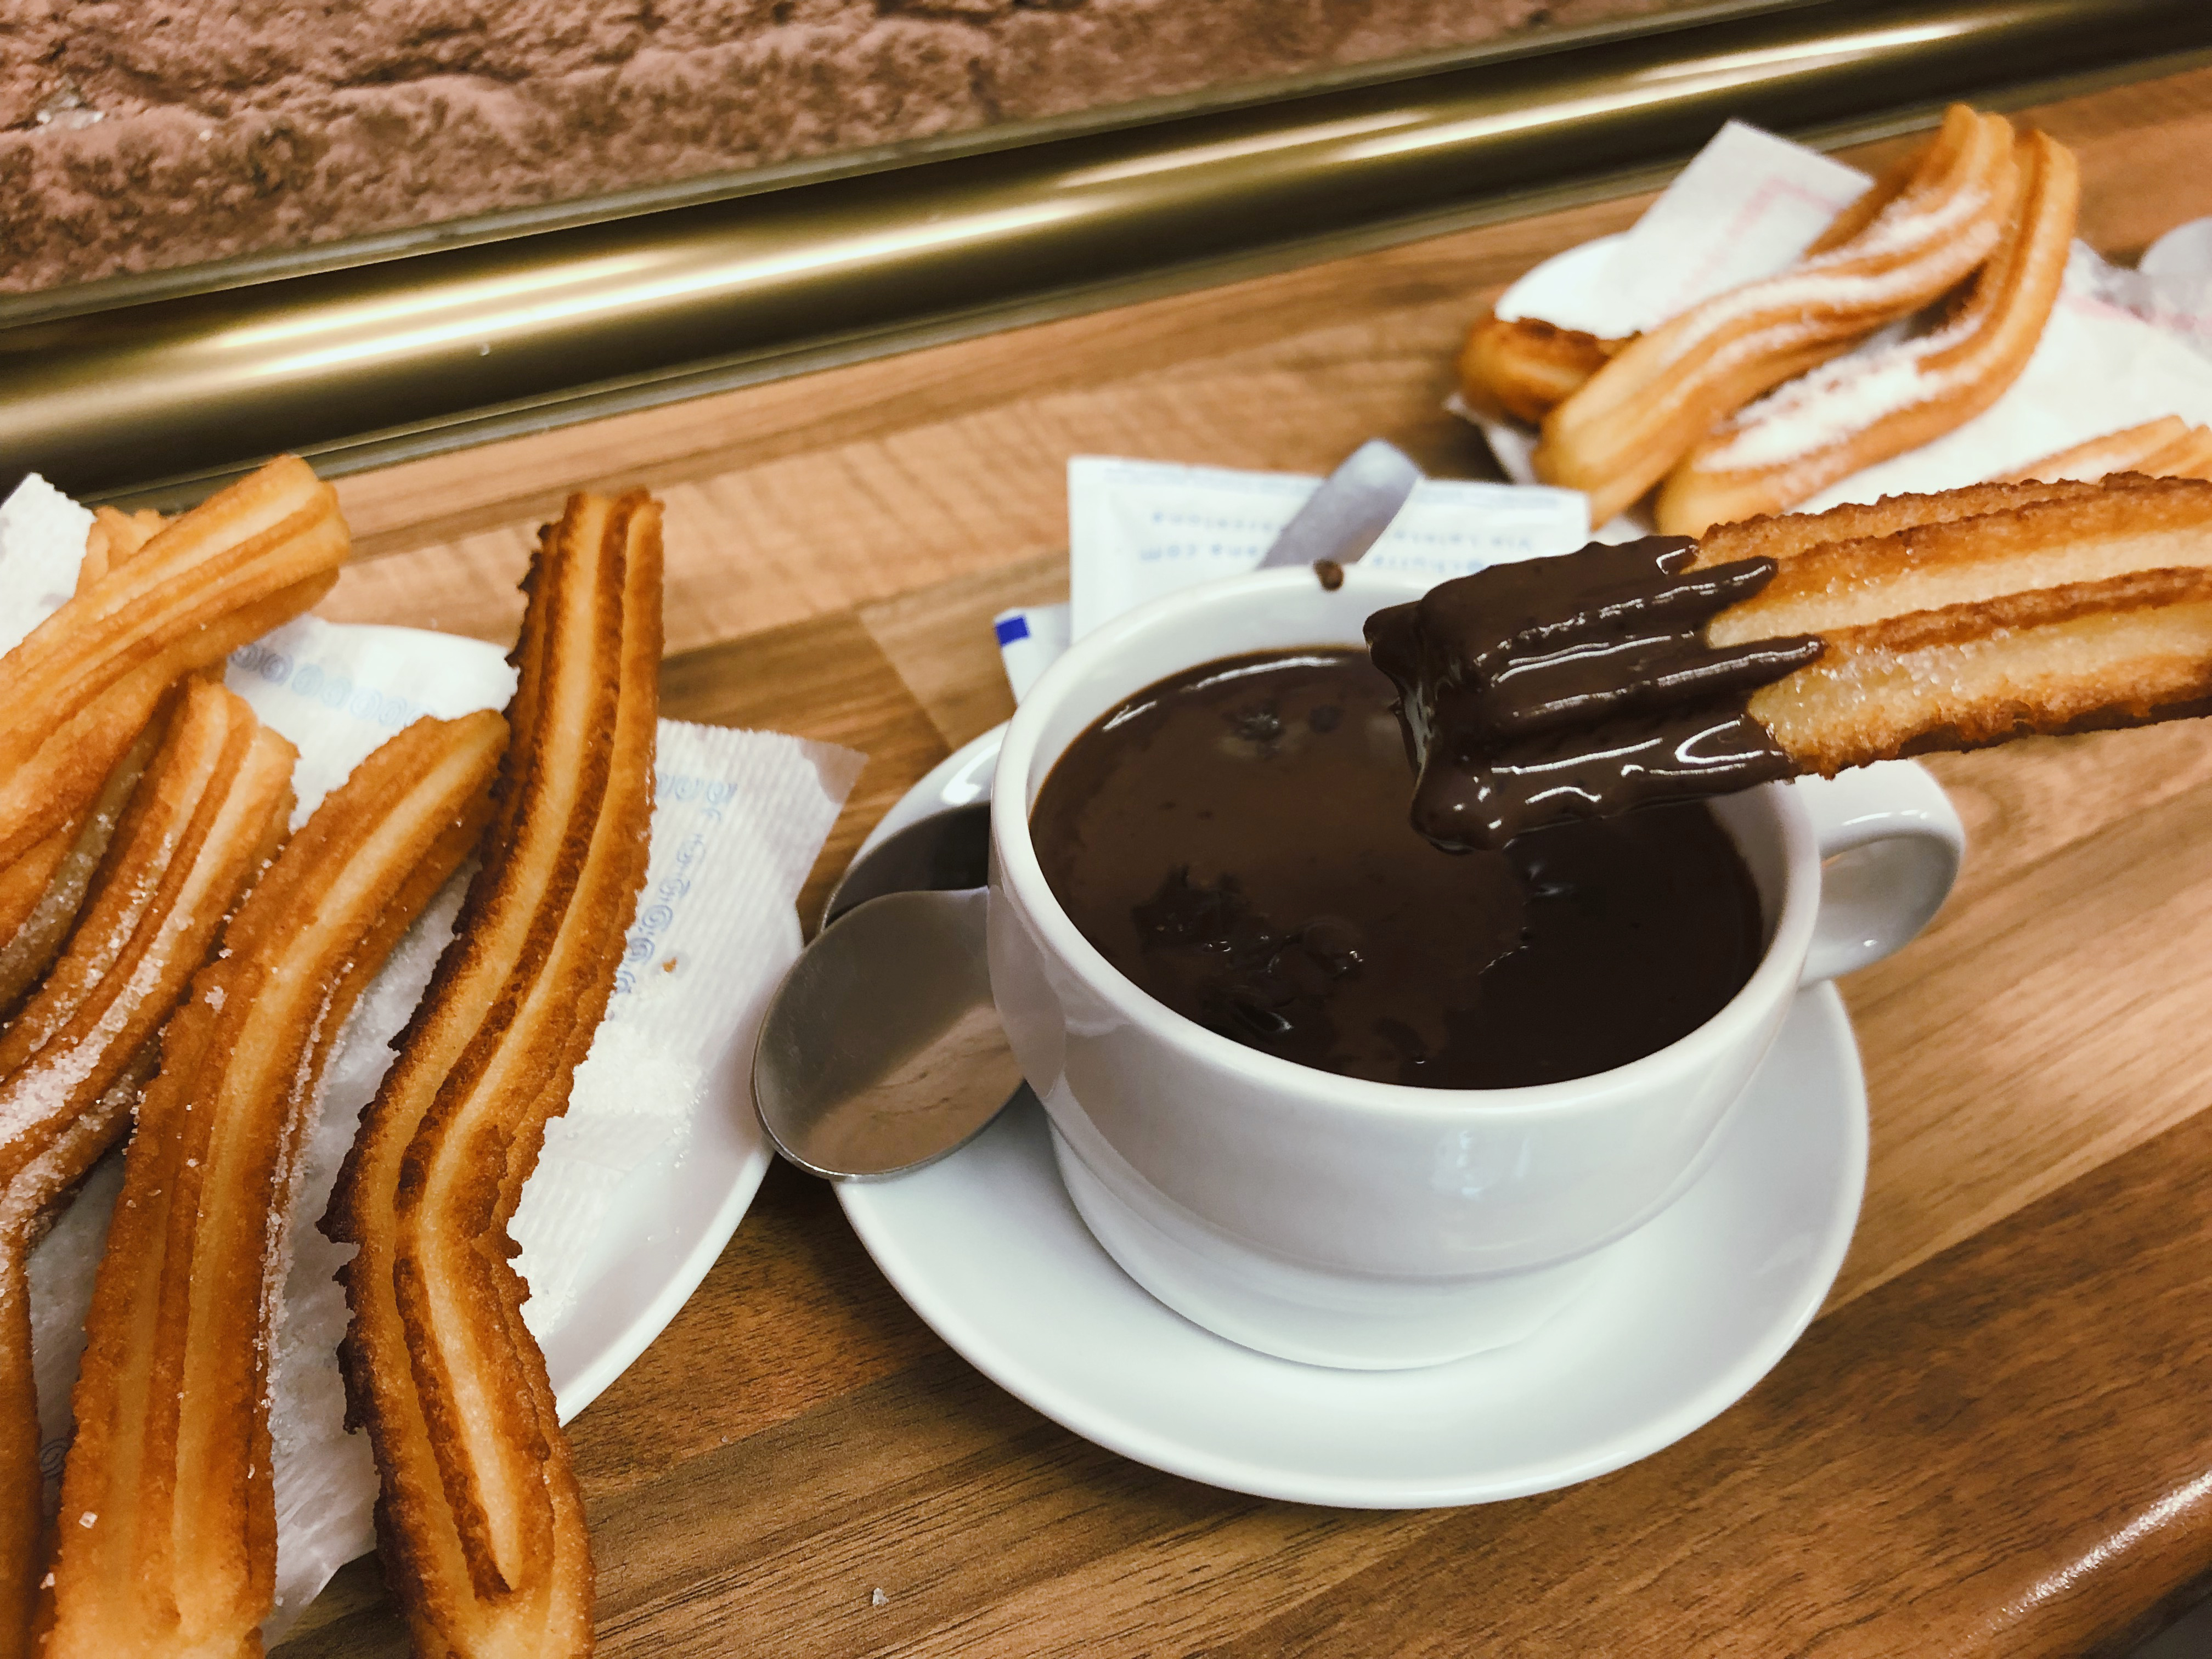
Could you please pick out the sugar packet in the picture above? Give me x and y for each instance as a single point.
(660, 1127)
(1138, 529)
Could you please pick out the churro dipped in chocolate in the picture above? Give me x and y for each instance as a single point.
(1669, 669)
(166, 1538)
(1921, 232)
(480, 1524)
(1578, 687)
(210, 813)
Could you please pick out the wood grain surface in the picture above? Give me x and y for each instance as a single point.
(1995, 1440)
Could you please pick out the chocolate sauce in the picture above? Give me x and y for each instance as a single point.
(1582, 686)
(1233, 839)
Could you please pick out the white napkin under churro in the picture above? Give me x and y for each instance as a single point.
(738, 820)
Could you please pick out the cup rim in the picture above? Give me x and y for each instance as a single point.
(1016, 867)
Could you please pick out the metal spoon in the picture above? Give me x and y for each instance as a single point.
(881, 1050)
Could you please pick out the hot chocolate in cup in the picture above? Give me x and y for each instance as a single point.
(1341, 1221)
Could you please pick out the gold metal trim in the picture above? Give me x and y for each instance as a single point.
(433, 351)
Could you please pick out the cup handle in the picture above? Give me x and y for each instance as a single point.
(1890, 845)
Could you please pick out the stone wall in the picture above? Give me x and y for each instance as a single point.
(136, 135)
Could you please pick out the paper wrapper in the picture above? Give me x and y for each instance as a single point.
(1138, 529)
(2122, 347)
(739, 817)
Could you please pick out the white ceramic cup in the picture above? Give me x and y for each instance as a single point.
(1343, 1222)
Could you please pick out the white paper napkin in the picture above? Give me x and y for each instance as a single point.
(739, 817)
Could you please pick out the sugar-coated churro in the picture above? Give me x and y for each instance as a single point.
(480, 1524)
(1783, 536)
(166, 1538)
(2133, 526)
(2189, 456)
(2123, 451)
(1663, 669)
(114, 540)
(1634, 419)
(211, 810)
(1865, 408)
(2168, 447)
(79, 689)
(1525, 368)
(41, 892)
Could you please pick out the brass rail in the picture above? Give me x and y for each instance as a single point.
(404, 356)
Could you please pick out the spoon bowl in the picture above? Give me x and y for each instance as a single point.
(881, 1051)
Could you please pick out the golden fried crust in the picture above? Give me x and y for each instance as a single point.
(1793, 443)
(1524, 368)
(1628, 424)
(1980, 614)
(480, 1522)
(1783, 537)
(114, 539)
(212, 808)
(45, 890)
(2126, 651)
(2151, 525)
(84, 684)
(167, 1541)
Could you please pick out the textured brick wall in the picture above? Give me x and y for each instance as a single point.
(141, 134)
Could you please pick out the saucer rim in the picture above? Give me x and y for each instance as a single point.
(1101, 1423)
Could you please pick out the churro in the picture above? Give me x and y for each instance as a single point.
(2123, 451)
(212, 810)
(41, 891)
(2055, 615)
(2168, 447)
(1633, 420)
(1865, 408)
(114, 540)
(1663, 669)
(79, 689)
(166, 1536)
(480, 1523)
(1525, 368)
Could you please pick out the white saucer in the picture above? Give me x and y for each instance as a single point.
(1686, 1318)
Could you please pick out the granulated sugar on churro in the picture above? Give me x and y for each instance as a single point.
(1873, 404)
(1911, 238)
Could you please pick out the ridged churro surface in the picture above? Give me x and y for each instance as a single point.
(1633, 420)
(1865, 408)
(2051, 608)
(211, 811)
(1524, 368)
(80, 687)
(480, 1522)
(166, 1536)
(2151, 525)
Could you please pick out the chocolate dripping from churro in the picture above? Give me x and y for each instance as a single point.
(1554, 689)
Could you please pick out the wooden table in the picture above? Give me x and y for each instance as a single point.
(1997, 1438)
